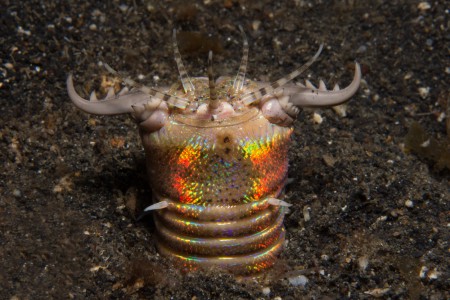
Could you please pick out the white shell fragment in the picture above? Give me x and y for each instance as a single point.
(424, 92)
(426, 273)
(409, 204)
(423, 6)
(423, 272)
(340, 110)
(300, 280)
(363, 262)
(306, 215)
(378, 292)
(317, 118)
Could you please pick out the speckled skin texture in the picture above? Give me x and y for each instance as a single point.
(242, 160)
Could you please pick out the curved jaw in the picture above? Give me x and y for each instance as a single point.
(111, 105)
(122, 102)
(150, 111)
(281, 106)
(278, 100)
(310, 96)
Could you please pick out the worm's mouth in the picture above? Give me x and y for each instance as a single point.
(216, 120)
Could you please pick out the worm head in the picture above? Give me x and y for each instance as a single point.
(210, 101)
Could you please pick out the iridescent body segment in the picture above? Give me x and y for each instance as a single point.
(242, 161)
(217, 160)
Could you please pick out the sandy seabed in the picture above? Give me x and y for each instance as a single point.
(72, 184)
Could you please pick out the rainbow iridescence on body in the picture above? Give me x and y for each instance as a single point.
(207, 171)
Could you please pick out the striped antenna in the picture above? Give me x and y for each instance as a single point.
(171, 100)
(184, 77)
(213, 102)
(249, 98)
(240, 77)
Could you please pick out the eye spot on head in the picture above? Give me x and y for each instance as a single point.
(225, 142)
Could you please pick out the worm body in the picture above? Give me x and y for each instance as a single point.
(217, 178)
(216, 155)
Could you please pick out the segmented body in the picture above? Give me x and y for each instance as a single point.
(216, 154)
(217, 177)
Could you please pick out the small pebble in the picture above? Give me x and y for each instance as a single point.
(123, 7)
(424, 91)
(266, 291)
(408, 76)
(9, 66)
(424, 6)
(20, 30)
(381, 219)
(363, 262)
(409, 203)
(317, 118)
(277, 42)
(299, 280)
(17, 193)
(425, 144)
(361, 49)
(93, 27)
(378, 292)
(340, 110)
(306, 215)
(433, 274)
(255, 25)
(96, 13)
(329, 160)
(423, 272)
(227, 3)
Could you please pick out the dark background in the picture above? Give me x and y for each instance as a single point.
(72, 184)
